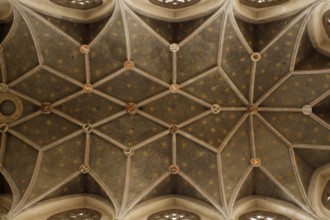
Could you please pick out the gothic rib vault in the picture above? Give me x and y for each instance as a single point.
(131, 108)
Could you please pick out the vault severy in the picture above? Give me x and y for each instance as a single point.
(199, 121)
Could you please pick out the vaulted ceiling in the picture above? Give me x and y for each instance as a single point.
(129, 107)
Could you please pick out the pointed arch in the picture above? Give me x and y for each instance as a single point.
(174, 15)
(254, 203)
(5, 11)
(146, 209)
(10, 188)
(316, 29)
(317, 185)
(260, 15)
(6, 196)
(50, 8)
(50, 207)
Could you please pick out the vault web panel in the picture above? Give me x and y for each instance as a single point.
(19, 60)
(109, 163)
(237, 149)
(59, 163)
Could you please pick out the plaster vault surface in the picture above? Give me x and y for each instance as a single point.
(131, 108)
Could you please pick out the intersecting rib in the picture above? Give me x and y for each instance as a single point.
(61, 141)
(109, 77)
(297, 175)
(109, 119)
(3, 67)
(151, 140)
(320, 121)
(25, 139)
(198, 141)
(232, 132)
(3, 146)
(203, 192)
(111, 140)
(274, 131)
(144, 193)
(252, 136)
(233, 87)
(239, 187)
(151, 77)
(195, 118)
(68, 117)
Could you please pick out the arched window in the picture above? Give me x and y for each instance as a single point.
(79, 4)
(326, 25)
(174, 214)
(175, 4)
(262, 3)
(262, 215)
(326, 196)
(77, 214)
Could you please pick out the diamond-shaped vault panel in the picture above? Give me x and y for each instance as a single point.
(214, 128)
(131, 129)
(278, 57)
(293, 127)
(131, 87)
(45, 129)
(20, 168)
(174, 108)
(203, 169)
(238, 149)
(62, 54)
(19, 59)
(112, 43)
(148, 164)
(109, 163)
(47, 87)
(89, 108)
(303, 90)
(148, 52)
(59, 163)
(204, 46)
(273, 161)
(213, 88)
(236, 60)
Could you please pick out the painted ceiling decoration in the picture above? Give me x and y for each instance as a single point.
(79, 4)
(129, 109)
